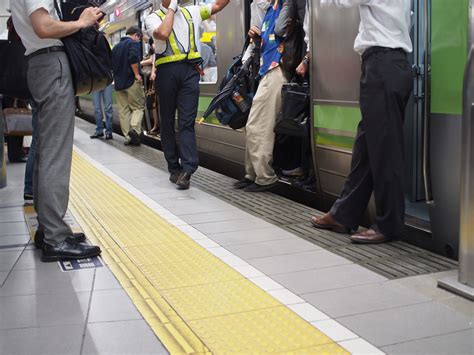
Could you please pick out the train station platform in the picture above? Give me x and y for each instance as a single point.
(211, 270)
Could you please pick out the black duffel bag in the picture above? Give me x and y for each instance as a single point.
(90, 58)
(295, 110)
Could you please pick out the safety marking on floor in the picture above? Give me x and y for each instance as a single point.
(81, 264)
(192, 299)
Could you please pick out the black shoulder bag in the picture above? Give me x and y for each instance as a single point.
(295, 110)
(90, 57)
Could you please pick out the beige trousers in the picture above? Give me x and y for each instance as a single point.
(260, 137)
(131, 104)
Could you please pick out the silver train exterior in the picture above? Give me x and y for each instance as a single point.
(441, 36)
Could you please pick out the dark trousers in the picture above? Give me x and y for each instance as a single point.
(377, 159)
(178, 89)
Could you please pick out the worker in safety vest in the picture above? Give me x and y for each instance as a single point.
(177, 45)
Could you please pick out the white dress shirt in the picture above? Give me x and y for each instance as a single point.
(180, 27)
(21, 11)
(384, 23)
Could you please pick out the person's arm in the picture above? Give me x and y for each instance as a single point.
(284, 19)
(344, 3)
(163, 31)
(153, 68)
(47, 27)
(218, 6)
(134, 59)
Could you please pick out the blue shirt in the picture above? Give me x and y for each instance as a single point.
(272, 47)
(124, 54)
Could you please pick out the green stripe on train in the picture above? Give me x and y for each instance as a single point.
(329, 120)
(448, 54)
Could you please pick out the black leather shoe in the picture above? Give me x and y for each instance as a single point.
(109, 136)
(134, 137)
(39, 238)
(184, 180)
(260, 188)
(97, 135)
(242, 184)
(174, 176)
(68, 249)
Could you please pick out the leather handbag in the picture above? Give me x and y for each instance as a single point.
(295, 110)
(90, 57)
(17, 121)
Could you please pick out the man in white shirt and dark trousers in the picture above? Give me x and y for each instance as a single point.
(50, 83)
(177, 45)
(385, 87)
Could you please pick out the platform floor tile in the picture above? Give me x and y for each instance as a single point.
(191, 299)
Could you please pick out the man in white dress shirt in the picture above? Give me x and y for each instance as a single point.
(385, 87)
(50, 83)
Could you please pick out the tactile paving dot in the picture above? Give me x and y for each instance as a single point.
(262, 331)
(225, 298)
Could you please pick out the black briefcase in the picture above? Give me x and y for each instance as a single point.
(295, 110)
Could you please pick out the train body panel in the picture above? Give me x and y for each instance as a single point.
(433, 119)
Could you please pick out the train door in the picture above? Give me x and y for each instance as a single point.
(417, 183)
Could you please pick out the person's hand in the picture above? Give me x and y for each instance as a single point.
(153, 76)
(254, 32)
(138, 78)
(90, 17)
(173, 5)
(302, 69)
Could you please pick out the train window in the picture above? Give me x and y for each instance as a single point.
(208, 46)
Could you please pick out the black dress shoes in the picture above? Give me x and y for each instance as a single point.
(134, 137)
(97, 135)
(67, 250)
(39, 238)
(174, 176)
(370, 236)
(109, 136)
(184, 180)
(260, 188)
(242, 184)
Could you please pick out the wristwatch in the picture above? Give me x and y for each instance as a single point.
(305, 59)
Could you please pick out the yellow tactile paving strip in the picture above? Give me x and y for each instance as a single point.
(194, 302)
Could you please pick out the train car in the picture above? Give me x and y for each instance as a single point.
(441, 36)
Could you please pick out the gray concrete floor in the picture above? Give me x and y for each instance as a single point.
(37, 300)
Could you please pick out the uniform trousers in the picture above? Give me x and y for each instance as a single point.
(259, 135)
(377, 159)
(131, 105)
(50, 83)
(177, 85)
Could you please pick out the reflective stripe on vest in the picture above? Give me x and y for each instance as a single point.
(177, 56)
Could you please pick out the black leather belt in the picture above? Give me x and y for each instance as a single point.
(376, 49)
(47, 50)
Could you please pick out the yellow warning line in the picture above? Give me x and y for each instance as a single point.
(194, 302)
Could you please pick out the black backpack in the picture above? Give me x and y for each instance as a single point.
(13, 70)
(235, 94)
(88, 51)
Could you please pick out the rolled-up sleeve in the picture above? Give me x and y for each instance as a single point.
(33, 5)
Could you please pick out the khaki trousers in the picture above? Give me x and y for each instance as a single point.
(131, 103)
(260, 137)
